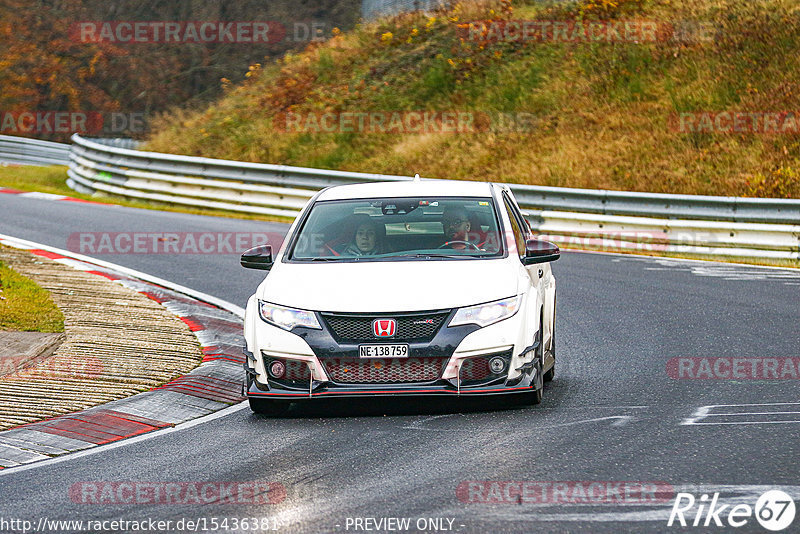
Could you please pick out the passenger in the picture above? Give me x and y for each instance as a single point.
(367, 240)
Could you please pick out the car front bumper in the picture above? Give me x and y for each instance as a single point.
(452, 387)
(311, 351)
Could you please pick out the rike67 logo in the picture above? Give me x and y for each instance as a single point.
(774, 510)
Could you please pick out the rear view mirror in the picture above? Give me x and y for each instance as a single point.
(259, 257)
(540, 251)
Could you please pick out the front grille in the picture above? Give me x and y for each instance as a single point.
(297, 374)
(476, 371)
(297, 370)
(410, 327)
(384, 370)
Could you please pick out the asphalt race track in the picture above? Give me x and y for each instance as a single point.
(612, 414)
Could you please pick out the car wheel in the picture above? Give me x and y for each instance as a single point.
(268, 406)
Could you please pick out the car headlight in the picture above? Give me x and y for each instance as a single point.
(486, 314)
(287, 318)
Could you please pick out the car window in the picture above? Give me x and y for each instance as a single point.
(519, 231)
(389, 228)
(523, 222)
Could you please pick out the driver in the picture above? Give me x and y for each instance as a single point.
(456, 227)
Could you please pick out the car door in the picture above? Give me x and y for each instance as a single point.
(541, 276)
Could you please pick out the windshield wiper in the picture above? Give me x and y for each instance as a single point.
(438, 255)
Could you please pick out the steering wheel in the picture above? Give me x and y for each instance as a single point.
(467, 243)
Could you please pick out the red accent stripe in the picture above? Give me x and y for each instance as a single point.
(70, 199)
(105, 275)
(9, 191)
(206, 387)
(194, 326)
(46, 254)
(232, 398)
(212, 357)
(153, 296)
(98, 427)
(208, 381)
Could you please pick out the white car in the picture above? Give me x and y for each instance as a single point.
(433, 287)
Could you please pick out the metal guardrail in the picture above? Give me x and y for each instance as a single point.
(582, 218)
(26, 151)
(91, 159)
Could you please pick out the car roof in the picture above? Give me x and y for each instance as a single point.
(408, 188)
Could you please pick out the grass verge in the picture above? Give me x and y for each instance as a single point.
(595, 114)
(25, 306)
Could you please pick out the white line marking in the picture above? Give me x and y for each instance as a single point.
(43, 196)
(619, 421)
(730, 495)
(749, 413)
(621, 256)
(416, 424)
(704, 412)
(745, 423)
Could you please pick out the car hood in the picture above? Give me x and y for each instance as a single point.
(395, 286)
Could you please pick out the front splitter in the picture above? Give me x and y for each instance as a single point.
(437, 389)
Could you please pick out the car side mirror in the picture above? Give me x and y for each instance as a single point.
(540, 251)
(259, 257)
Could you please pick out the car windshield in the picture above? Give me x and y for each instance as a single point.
(378, 229)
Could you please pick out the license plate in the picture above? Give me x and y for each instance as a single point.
(383, 351)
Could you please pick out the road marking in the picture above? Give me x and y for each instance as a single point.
(725, 271)
(619, 420)
(731, 495)
(416, 424)
(43, 196)
(703, 414)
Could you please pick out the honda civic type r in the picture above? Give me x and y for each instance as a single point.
(431, 287)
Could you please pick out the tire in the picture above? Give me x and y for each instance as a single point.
(268, 406)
